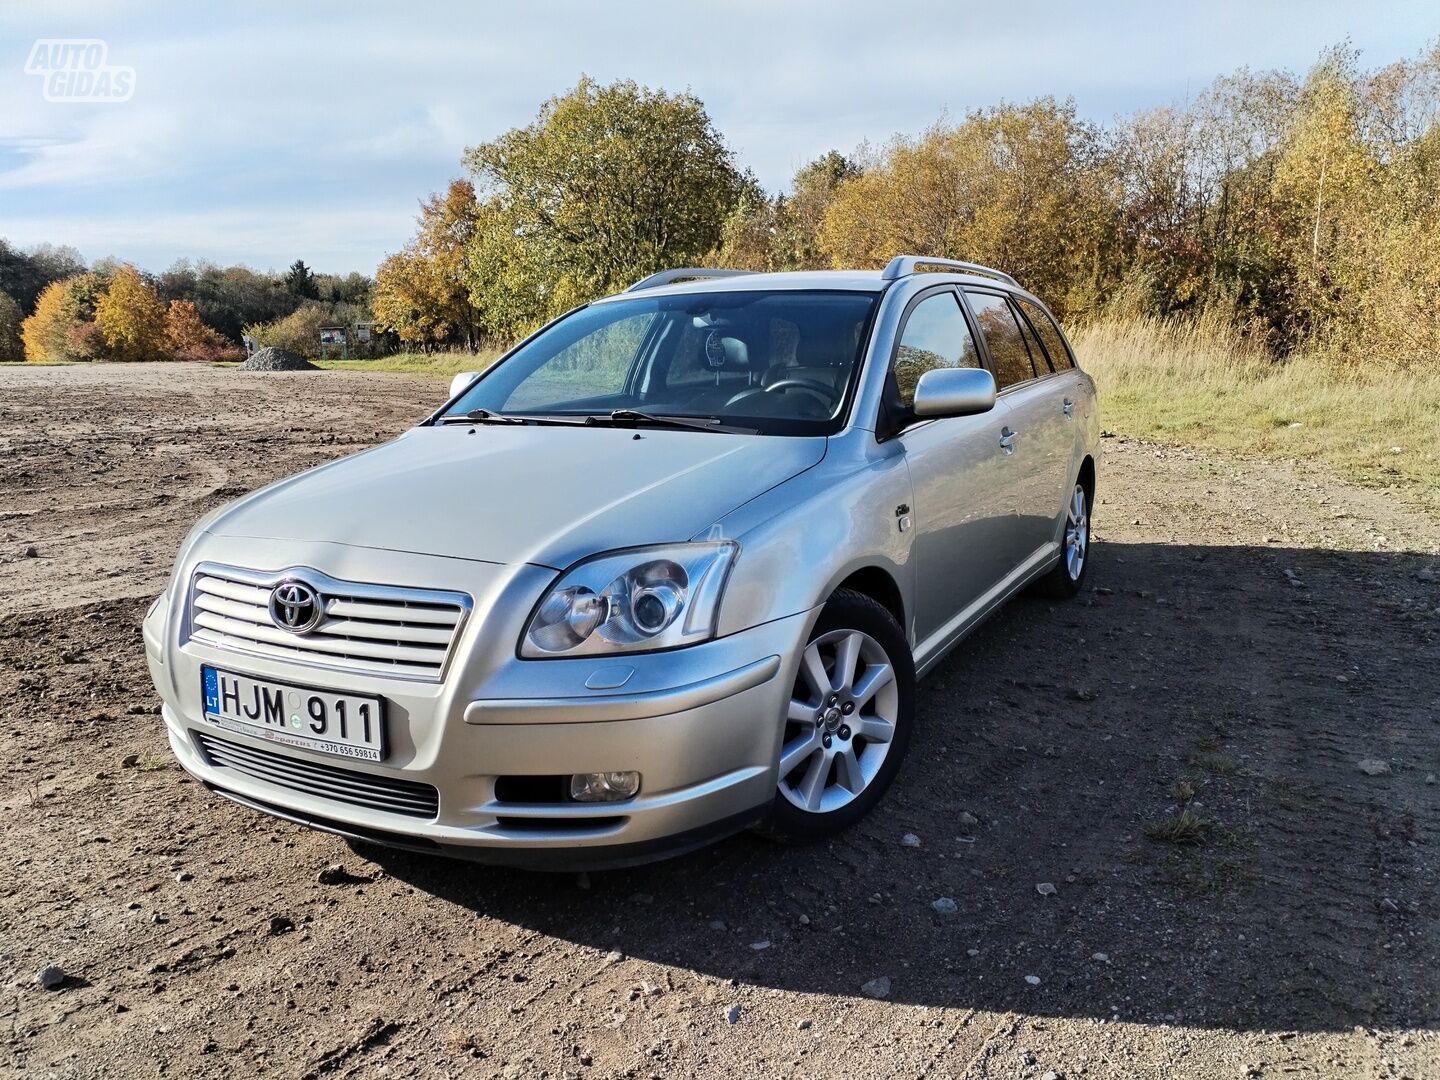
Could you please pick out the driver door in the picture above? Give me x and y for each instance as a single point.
(956, 470)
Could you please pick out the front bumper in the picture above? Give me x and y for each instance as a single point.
(701, 725)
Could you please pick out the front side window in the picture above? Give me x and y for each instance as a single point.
(780, 362)
(1002, 337)
(1060, 358)
(936, 335)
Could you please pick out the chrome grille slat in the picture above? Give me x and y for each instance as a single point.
(412, 613)
(389, 794)
(302, 772)
(371, 629)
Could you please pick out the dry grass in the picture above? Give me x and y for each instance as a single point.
(1203, 383)
(441, 365)
(1185, 828)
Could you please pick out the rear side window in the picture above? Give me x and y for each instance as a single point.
(1060, 358)
(1002, 336)
(936, 336)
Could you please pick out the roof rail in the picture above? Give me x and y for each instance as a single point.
(905, 265)
(682, 273)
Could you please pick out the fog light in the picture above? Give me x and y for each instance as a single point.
(604, 786)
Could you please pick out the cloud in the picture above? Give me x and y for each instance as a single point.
(278, 129)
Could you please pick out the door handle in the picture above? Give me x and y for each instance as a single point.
(1007, 440)
(1069, 407)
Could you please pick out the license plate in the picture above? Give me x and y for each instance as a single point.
(347, 725)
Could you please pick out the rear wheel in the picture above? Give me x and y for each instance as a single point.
(1068, 574)
(848, 721)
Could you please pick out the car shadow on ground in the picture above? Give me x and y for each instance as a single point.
(1177, 752)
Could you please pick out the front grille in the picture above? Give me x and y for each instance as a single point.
(385, 793)
(370, 629)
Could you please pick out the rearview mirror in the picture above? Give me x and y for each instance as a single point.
(954, 392)
(461, 381)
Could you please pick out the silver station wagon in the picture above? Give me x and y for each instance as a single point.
(667, 570)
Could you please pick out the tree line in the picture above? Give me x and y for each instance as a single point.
(53, 307)
(1304, 209)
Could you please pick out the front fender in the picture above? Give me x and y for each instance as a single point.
(800, 540)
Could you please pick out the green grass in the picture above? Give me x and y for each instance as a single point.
(1204, 385)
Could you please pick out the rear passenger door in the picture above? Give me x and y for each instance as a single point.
(1040, 432)
(1069, 382)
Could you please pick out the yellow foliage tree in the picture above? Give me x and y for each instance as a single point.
(62, 308)
(131, 317)
(420, 293)
(1021, 187)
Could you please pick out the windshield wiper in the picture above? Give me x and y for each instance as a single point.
(483, 416)
(696, 423)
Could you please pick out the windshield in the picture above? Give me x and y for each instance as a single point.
(775, 362)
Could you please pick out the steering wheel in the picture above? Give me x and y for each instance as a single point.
(817, 390)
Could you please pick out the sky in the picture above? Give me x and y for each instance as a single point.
(266, 131)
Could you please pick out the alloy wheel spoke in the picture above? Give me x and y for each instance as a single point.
(875, 678)
(800, 712)
(847, 770)
(813, 668)
(797, 751)
(847, 656)
(875, 729)
(812, 787)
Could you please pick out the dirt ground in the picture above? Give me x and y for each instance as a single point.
(1252, 633)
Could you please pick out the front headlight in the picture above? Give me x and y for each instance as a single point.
(636, 600)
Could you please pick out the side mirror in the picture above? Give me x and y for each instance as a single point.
(954, 392)
(461, 381)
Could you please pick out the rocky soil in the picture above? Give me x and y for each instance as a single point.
(1182, 826)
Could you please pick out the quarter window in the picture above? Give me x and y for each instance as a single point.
(936, 336)
(1002, 337)
(1060, 358)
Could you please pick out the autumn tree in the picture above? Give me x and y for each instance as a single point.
(1021, 187)
(421, 292)
(812, 191)
(188, 338)
(51, 334)
(131, 318)
(609, 184)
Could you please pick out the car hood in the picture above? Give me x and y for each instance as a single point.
(515, 494)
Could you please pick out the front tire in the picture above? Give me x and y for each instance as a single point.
(848, 723)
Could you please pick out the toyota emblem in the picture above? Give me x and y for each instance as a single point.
(295, 606)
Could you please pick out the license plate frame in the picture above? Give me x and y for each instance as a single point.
(295, 727)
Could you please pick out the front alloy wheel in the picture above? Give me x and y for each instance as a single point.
(841, 721)
(848, 720)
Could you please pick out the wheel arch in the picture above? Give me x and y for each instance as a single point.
(879, 584)
(1086, 477)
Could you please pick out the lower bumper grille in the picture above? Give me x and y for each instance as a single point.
(387, 794)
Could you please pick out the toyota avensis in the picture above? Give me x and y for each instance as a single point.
(668, 569)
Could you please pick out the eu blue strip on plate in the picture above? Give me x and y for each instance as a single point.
(212, 690)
